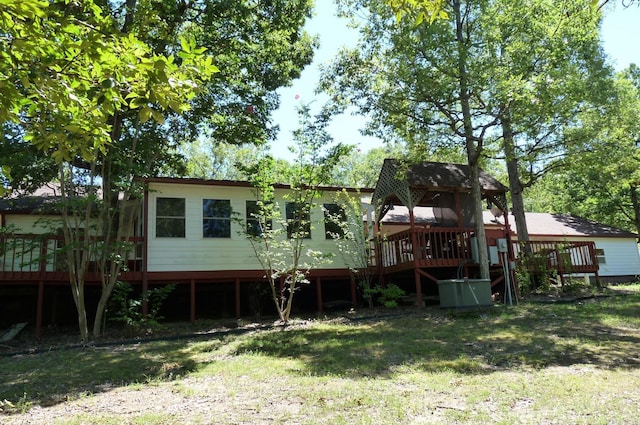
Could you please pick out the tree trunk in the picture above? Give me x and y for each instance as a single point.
(105, 294)
(473, 145)
(636, 206)
(77, 289)
(481, 237)
(515, 185)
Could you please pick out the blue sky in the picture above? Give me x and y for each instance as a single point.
(620, 32)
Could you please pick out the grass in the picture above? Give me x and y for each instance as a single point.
(575, 363)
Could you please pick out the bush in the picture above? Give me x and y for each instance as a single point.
(390, 294)
(128, 309)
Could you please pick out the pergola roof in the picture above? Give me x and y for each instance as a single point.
(417, 184)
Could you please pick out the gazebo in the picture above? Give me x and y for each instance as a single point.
(445, 247)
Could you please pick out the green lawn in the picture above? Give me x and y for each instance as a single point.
(570, 363)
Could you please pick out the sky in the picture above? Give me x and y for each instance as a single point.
(621, 42)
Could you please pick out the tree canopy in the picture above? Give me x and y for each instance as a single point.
(601, 180)
(256, 47)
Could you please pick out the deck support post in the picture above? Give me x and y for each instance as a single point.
(237, 284)
(354, 297)
(416, 251)
(39, 308)
(192, 300)
(319, 293)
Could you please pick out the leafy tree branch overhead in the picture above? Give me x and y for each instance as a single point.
(65, 94)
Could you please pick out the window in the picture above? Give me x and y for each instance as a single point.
(298, 221)
(334, 217)
(600, 256)
(216, 218)
(170, 217)
(255, 224)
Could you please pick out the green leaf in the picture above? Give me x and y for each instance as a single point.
(144, 114)
(138, 102)
(157, 116)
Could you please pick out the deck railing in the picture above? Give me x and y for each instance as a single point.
(25, 255)
(434, 247)
(563, 257)
(450, 247)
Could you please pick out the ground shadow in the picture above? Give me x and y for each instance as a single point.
(49, 378)
(474, 343)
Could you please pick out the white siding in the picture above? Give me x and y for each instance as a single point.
(27, 223)
(621, 255)
(196, 253)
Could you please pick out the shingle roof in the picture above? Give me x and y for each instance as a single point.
(545, 224)
(538, 224)
(29, 204)
(445, 175)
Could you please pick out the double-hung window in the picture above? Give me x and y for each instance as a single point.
(170, 217)
(600, 256)
(216, 218)
(334, 219)
(298, 221)
(257, 223)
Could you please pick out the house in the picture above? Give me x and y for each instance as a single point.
(192, 233)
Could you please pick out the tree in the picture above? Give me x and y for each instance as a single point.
(280, 241)
(208, 159)
(490, 74)
(423, 84)
(354, 241)
(361, 169)
(258, 46)
(66, 98)
(418, 10)
(546, 70)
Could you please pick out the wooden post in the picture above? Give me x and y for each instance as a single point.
(459, 209)
(511, 256)
(354, 298)
(237, 298)
(416, 271)
(192, 300)
(39, 308)
(319, 293)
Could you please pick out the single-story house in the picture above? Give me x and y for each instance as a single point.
(192, 233)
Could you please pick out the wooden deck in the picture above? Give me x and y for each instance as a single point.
(560, 257)
(423, 248)
(31, 258)
(426, 248)
(37, 257)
